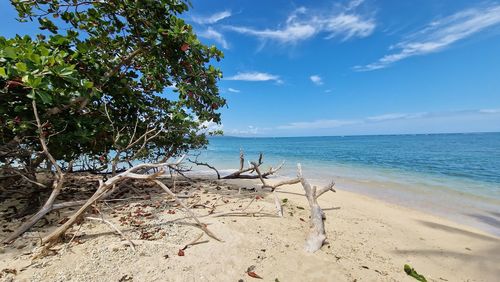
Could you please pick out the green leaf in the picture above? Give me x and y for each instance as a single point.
(10, 52)
(411, 272)
(88, 84)
(20, 66)
(46, 99)
(35, 58)
(3, 73)
(34, 82)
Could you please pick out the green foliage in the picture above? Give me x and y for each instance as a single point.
(411, 272)
(102, 75)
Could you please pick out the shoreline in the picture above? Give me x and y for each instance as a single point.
(477, 211)
(390, 233)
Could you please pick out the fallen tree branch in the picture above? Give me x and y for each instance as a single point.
(201, 225)
(105, 189)
(317, 235)
(196, 162)
(243, 213)
(239, 174)
(132, 245)
(277, 202)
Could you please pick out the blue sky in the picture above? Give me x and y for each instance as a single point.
(298, 68)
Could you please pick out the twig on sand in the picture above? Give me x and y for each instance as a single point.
(201, 225)
(194, 242)
(132, 245)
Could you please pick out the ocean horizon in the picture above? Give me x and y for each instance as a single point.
(455, 175)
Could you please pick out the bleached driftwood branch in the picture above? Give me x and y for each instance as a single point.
(107, 222)
(110, 185)
(317, 235)
(277, 201)
(241, 173)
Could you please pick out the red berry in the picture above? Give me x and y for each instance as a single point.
(184, 47)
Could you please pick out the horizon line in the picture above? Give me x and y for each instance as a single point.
(360, 135)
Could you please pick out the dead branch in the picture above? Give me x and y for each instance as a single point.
(277, 202)
(56, 185)
(196, 162)
(243, 213)
(201, 225)
(317, 234)
(105, 189)
(132, 245)
(251, 168)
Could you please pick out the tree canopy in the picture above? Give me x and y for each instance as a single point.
(112, 82)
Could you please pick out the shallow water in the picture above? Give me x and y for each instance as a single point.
(452, 175)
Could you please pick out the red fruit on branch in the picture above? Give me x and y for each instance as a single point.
(184, 47)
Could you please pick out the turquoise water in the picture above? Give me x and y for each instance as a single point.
(456, 175)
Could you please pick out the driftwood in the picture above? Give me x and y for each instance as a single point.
(112, 226)
(240, 173)
(277, 201)
(317, 235)
(110, 184)
(196, 162)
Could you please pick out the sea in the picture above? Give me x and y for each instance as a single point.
(456, 176)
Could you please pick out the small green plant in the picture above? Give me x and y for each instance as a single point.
(411, 272)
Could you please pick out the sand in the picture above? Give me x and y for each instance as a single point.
(368, 240)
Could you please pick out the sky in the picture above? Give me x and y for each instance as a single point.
(352, 67)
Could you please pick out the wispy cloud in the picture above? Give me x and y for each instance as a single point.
(490, 111)
(334, 123)
(210, 126)
(255, 76)
(250, 130)
(316, 79)
(212, 18)
(317, 124)
(395, 116)
(233, 90)
(212, 34)
(303, 24)
(439, 35)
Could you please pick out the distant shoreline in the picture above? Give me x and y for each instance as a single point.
(358, 135)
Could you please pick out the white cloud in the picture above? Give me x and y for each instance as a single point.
(210, 126)
(212, 18)
(490, 111)
(255, 76)
(302, 24)
(389, 117)
(233, 90)
(440, 34)
(212, 34)
(250, 130)
(323, 123)
(316, 79)
(395, 116)
(354, 4)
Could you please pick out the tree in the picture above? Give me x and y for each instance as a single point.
(102, 72)
(106, 83)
